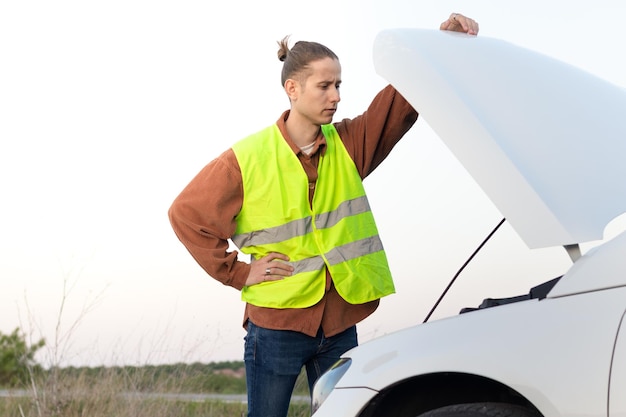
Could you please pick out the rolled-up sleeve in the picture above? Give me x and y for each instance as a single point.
(370, 137)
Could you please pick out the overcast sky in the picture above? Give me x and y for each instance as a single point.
(108, 109)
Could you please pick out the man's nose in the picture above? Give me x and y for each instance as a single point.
(335, 96)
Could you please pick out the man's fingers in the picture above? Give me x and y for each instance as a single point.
(459, 23)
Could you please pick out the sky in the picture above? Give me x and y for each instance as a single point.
(108, 109)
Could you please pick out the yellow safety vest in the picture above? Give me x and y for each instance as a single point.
(338, 232)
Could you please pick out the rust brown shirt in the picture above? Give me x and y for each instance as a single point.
(203, 214)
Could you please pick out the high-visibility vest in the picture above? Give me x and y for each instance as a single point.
(337, 231)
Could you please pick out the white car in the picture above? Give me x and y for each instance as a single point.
(547, 143)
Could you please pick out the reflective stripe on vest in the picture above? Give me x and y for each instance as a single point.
(338, 232)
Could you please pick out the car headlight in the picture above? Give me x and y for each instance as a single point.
(326, 383)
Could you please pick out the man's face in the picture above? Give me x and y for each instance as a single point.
(316, 96)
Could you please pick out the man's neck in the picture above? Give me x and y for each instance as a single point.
(301, 131)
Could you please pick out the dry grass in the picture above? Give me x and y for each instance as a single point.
(124, 392)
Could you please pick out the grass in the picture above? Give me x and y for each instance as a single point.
(150, 391)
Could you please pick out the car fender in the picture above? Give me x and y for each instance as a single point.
(508, 344)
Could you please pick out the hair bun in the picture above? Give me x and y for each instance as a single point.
(283, 48)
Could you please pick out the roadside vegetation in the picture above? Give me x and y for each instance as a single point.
(178, 390)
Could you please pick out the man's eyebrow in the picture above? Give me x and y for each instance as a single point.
(323, 82)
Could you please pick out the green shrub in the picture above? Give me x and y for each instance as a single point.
(16, 358)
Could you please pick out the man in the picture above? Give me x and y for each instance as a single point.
(291, 196)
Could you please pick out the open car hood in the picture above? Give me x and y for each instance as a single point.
(545, 141)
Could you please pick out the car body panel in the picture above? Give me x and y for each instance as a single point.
(541, 349)
(544, 140)
(600, 268)
(617, 394)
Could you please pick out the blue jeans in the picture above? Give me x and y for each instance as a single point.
(274, 359)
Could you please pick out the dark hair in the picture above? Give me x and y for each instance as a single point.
(297, 59)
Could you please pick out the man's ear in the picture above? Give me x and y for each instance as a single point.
(291, 88)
